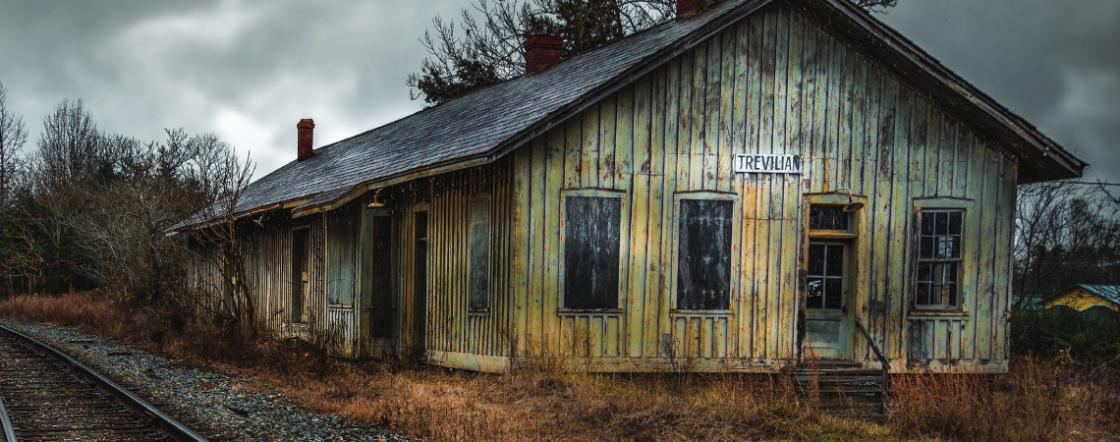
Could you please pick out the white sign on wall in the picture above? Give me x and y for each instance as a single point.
(764, 163)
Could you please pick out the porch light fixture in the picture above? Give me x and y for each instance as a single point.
(853, 205)
(377, 203)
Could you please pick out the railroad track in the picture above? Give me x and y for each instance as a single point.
(45, 395)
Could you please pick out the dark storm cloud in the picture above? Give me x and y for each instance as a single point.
(1054, 63)
(248, 70)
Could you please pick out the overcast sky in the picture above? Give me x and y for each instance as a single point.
(248, 70)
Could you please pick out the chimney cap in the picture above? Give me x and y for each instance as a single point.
(305, 123)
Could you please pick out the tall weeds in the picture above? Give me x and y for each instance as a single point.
(1037, 400)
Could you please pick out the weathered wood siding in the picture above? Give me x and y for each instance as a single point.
(267, 256)
(456, 336)
(776, 83)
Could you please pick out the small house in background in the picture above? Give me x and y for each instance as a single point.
(751, 186)
(1093, 300)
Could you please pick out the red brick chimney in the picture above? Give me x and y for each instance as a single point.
(689, 8)
(542, 52)
(306, 130)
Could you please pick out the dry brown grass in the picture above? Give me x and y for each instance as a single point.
(81, 310)
(1036, 401)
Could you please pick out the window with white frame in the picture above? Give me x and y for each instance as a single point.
(938, 264)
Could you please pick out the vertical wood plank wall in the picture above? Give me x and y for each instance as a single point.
(776, 83)
(267, 255)
(455, 336)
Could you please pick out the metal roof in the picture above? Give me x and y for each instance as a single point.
(1110, 293)
(481, 126)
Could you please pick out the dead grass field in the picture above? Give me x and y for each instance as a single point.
(1039, 400)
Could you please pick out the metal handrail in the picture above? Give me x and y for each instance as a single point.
(886, 364)
(170, 425)
(9, 432)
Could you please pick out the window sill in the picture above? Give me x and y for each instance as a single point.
(590, 312)
(479, 312)
(707, 313)
(922, 314)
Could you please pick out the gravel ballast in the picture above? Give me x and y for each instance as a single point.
(215, 404)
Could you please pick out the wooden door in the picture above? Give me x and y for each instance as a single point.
(301, 274)
(828, 319)
(420, 286)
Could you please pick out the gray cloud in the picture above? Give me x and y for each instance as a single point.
(1054, 63)
(248, 70)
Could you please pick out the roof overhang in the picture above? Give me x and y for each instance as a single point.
(1040, 158)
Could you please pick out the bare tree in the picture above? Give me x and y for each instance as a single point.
(13, 135)
(227, 177)
(1065, 233)
(875, 5)
(486, 46)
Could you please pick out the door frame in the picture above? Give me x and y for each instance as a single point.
(419, 315)
(855, 241)
(846, 322)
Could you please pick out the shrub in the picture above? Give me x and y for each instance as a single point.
(1091, 340)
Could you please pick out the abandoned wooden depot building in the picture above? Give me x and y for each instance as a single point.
(749, 186)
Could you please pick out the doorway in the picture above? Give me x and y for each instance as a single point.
(826, 303)
(301, 278)
(420, 285)
(381, 306)
(829, 274)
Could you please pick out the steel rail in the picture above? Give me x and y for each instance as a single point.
(6, 428)
(168, 424)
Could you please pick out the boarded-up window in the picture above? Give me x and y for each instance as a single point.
(341, 250)
(591, 241)
(704, 256)
(939, 258)
(381, 301)
(479, 243)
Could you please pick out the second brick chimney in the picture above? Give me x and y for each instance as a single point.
(542, 52)
(305, 138)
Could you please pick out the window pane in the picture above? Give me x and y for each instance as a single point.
(823, 217)
(923, 293)
(479, 243)
(925, 272)
(941, 223)
(704, 267)
(816, 259)
(591, 238)
(815, 295)
(927, 223)
(952, 297)
(955, 219)
(925, 247)
(834, 266)
(944, 246)
(833, 292)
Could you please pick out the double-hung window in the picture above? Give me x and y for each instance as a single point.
(939, 263)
